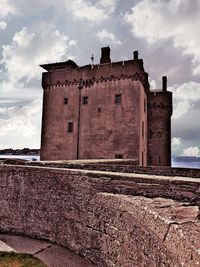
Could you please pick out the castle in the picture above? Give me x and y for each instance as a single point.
(105, 111)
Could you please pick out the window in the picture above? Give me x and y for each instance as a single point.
(65, 100)
(118, 99)
(142, 129)
(159, 134)
(142, 158)
(70, 127)
(85, 100)
(159, 160)
(150, 134)
(150, 160)
(145, 105)
(118, 156)
(99, 110)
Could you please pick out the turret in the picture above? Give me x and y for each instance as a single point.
(159, 126)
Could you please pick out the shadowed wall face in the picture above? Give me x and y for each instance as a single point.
(159, 128)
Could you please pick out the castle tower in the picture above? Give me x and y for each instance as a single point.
(102, 111)
(159, 126)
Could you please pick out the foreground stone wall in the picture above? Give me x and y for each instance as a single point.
(122, 166)
(80, 209)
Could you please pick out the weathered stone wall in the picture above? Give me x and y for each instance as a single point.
(80, 209)
(123, 166)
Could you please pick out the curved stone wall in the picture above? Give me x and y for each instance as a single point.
(77, 209)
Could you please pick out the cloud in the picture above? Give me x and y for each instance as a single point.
(176, 141)
(6, 8)
(177, 145)
(91, 11)
(109, 5)
(23, 122)
(192, 151)
(157, 20)
(108, 37)
(185, 126)
(31, 47)
(86, 10)
(185, 97)
(3, 25)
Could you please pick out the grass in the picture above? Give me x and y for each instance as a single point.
(12, 259)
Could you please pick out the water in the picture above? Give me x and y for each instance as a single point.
(27, 157)
(186, 162)
(179, 162)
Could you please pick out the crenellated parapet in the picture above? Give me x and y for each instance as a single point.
(142, 77)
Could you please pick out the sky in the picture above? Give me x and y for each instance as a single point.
(33, 32)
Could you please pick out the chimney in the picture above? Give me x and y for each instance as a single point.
(135, 55)
(164, 83)
(105, 55)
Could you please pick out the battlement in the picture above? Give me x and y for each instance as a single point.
(65, 73)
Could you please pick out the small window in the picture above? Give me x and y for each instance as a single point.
(85, 100)
(150, 134)
(65, 100)
(159, 134)
(118, 99)
(70, 127)
(159, 159)
(145, 105)
(142, 129)
(99, 110)
(118, 156)
(142, 158)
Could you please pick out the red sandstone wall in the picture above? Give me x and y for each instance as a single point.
(116, 129)
(57, 143)
(159, 128)
(102, 129)
(68, 208)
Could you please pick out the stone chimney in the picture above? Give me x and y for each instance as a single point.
(164, 83)
(135, 55)
(105, 55)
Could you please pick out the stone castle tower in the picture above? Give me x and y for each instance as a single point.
(105, 111)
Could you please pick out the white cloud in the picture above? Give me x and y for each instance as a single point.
(153, 85)
(83, 9)
(176, 141)
(22, 122)
(89, 10)
(31, 47)
(108, 37)
(109, 5)
(6, 7)
(185, 97)
(192, 151)
(3, 25)
(173, 19)
(176, 145)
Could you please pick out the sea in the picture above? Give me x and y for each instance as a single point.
(178, 162)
